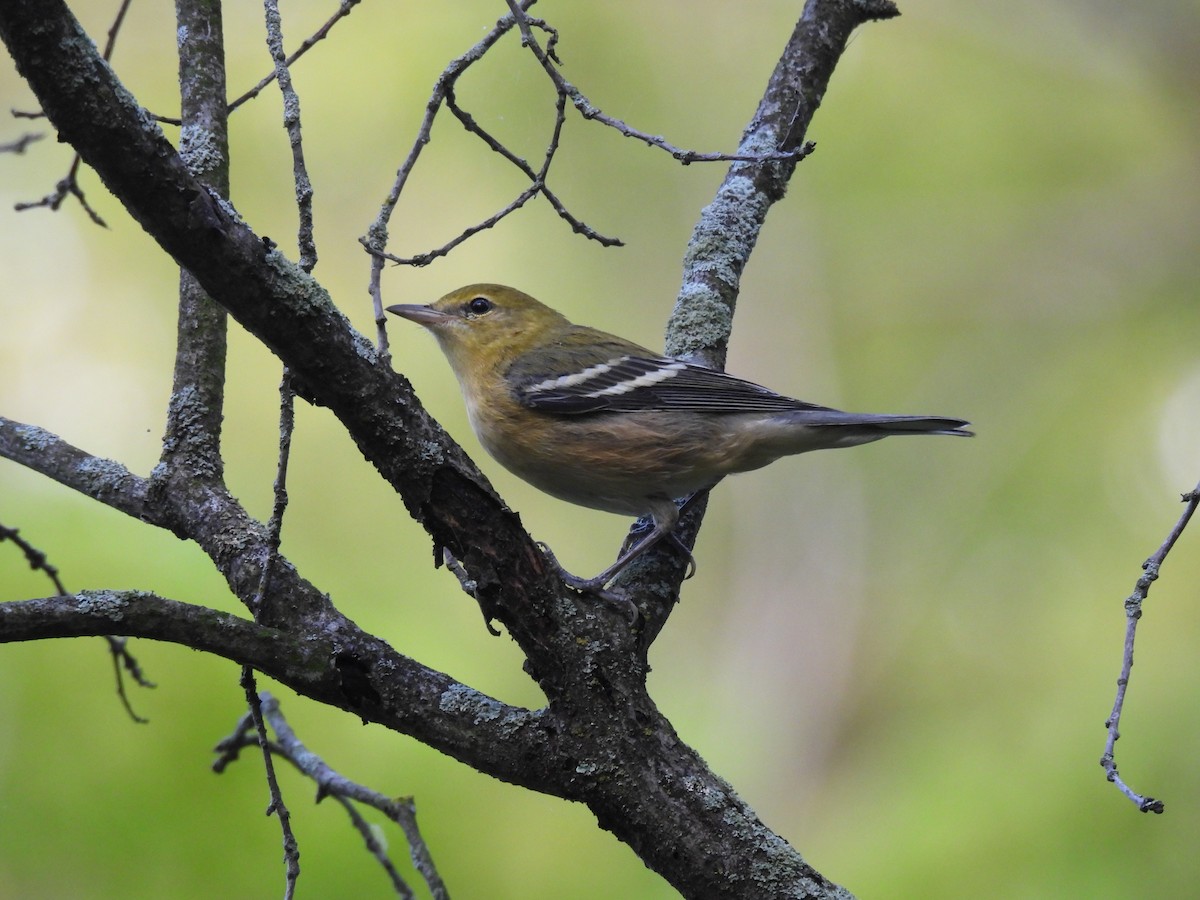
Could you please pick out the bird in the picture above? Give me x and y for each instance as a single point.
(596, 420)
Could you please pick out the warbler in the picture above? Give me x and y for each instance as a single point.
(600, 421)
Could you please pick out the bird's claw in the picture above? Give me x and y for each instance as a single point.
(593, 586)
(687, 555)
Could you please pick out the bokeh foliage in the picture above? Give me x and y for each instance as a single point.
(901, 656)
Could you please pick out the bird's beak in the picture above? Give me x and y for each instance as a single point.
(422, 315)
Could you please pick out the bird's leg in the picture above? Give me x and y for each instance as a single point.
(684, 505)
(679, 545)
(593, 586)
(664, 514)
(596, 585)
(646, 523)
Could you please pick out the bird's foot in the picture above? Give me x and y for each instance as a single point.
(687, 555)
(593, 586)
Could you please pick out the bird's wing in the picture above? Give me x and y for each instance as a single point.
(634, 383)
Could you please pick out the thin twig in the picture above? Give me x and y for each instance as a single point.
(1133, 613)
(344, 9)
(20, 144)
(549, 62)
(469, 123)
(331, 783)
(375, 847)
(376, 238)
(469, 585)
(69, 186)
(291, 122)
(115, 30)
(308, 260)
(443, 94)
(424, 259)
(317, 36)
(36, 558)
(287, 422)
(287, 427)
(123, 660)
(291, 849)
(66, 187)
(280, 493)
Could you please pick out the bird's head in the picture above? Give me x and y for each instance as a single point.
(482, 322)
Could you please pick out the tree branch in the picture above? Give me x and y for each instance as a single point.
(331, 783)
(728, 230)
(344, 667)
(1133, 614)
(105, 480)
(192, 439)
(601, 740)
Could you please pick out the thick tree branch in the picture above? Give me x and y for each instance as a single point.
(645, 785)
(194, 509)
(237, 544)
(105, 480)
(192, 442)
(344, 667)
(728, 229)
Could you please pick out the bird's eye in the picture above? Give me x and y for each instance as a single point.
(479, 306)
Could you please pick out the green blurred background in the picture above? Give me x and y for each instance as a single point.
(901, 656)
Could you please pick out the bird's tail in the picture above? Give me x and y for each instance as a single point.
(883, 423)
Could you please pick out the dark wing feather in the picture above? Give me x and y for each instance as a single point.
(635, 383)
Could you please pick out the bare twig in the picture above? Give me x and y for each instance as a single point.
(123, 660)
(66, 187)
(291, 121)
(20, 144)
(287, 424)
(376, 238)
(343, 10)
(443, 94)
(36, 558)
(330, 783)
(424, 259)
(469, 585)
(317, 36)
(291, 849)
(375, 847)
(308, 261)
(69, 186)
(115, 30)
(1133, 613)
(550, 62)
(469, 123)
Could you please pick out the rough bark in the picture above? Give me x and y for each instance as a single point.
(600, 740)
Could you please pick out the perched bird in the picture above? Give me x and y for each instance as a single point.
(597, 420)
